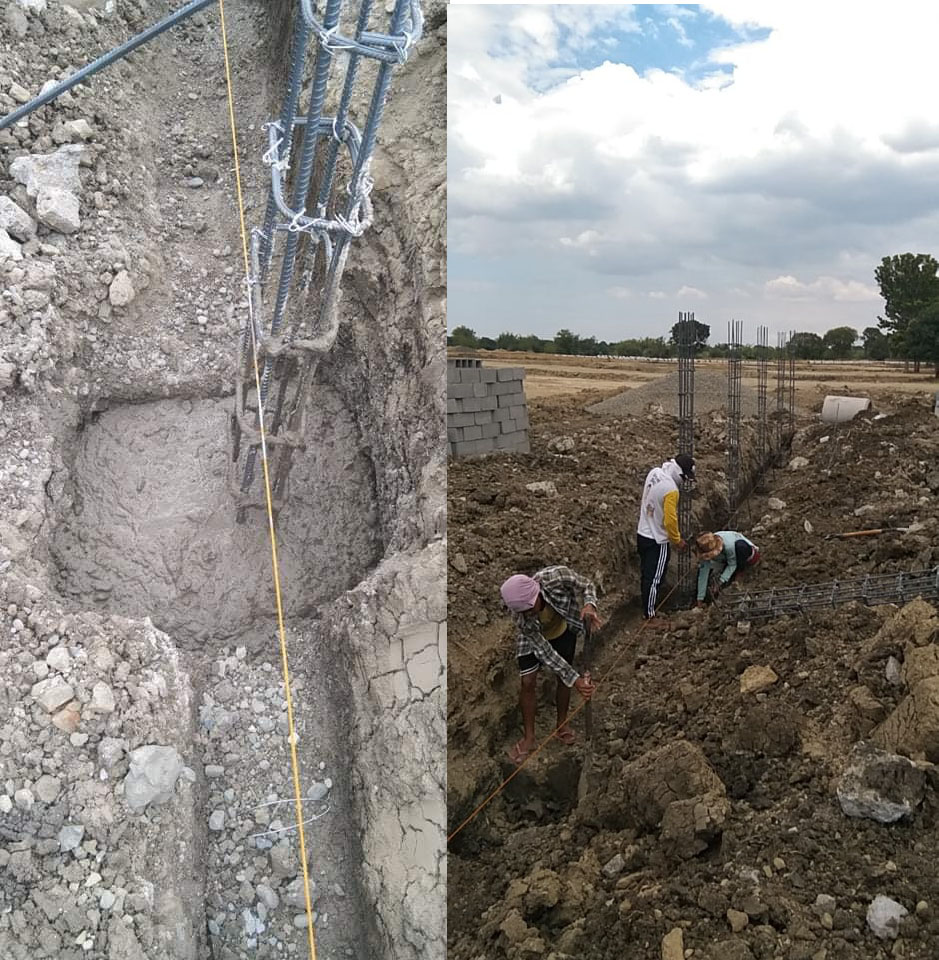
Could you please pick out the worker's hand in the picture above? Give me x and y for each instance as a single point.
(590, 615)
(682, 545)
(699, 603)
(584, 686)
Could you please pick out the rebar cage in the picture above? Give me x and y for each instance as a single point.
(307, 238)
(686, 354)
(869, 590)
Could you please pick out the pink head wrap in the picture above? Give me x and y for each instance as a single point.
(520, 592)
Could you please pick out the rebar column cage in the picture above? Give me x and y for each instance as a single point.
(780, 393)
(762, 356)
(686, 351)
(869, 590)
(734, 337)
(792, 384)
(307, 237)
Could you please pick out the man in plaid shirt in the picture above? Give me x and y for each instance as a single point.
(549, 610)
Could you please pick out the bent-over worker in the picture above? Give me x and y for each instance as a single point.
(658, 528)
(549, 610)
(728, 553)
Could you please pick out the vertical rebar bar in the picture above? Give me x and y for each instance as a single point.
(298, 49)
(762, 356)
(686, 353)
(780, 392)
(792, 384)
(734, 337)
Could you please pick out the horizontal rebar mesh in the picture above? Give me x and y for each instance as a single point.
(870, 590)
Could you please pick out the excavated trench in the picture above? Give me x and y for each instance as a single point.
(141, 525)
(146, 522)
(137, 523)
(553, 789)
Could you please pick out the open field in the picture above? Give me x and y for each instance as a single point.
(552, 376)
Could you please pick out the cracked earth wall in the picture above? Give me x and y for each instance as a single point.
(389, 632)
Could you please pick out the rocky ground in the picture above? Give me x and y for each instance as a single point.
(144, 763)
(709, 817)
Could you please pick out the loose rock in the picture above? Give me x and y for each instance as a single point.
(757, 678)
(154, 771)
(121, 292)
(881, 786)
(884, 916)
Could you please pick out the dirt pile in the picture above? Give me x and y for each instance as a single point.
(711, 805)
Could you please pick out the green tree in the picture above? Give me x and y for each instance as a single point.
(531, 343)
(701, 333)
(808, 346)
(566, 342)
(508, 341)
(839, 341)
(656, 347)
(463, 337)
(922, 336)
(908, 283)
(876, 344)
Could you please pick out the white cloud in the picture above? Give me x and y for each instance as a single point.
(657, 295)
(588, 238)
(679, 29)
(762, 166)
(691, 293)
(830, 288)
(619, 293)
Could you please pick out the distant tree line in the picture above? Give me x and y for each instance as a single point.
(909, 284)
(836, 344)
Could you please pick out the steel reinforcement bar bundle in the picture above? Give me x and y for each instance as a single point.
(315, 244)
(870, 590)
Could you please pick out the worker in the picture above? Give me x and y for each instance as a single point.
(550, 610)
(727, 553)
(658, 529)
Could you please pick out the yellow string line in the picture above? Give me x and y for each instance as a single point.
(292, 739)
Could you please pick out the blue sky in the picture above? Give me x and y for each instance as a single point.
(610, 165)
(668, 37)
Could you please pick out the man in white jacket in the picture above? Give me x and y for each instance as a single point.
(658, 528)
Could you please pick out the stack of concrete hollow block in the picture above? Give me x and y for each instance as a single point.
(486, 409)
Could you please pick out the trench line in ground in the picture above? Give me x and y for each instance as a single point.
(292, 739)
(544, 743)
(583, 703)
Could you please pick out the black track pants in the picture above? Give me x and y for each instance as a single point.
(653, 564)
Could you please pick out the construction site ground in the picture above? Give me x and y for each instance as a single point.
(573, 857)
(138, 628)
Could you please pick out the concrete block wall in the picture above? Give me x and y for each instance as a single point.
(486, 409)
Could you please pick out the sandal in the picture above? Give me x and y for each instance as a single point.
(517, 754)
(566, 736)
